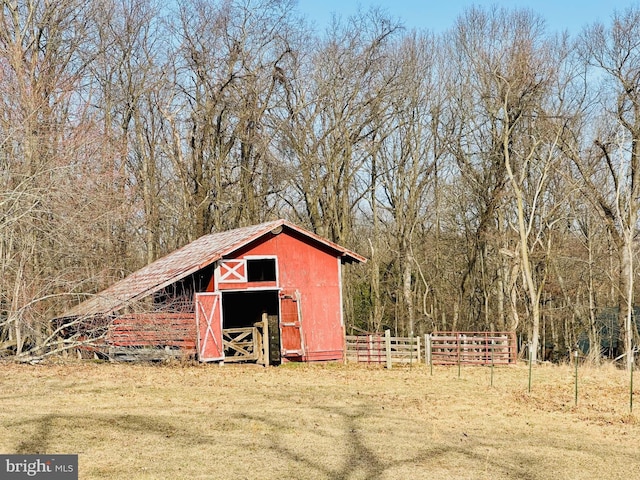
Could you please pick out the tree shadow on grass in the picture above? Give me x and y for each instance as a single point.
(45, 426)
(358, 460)
(359, 457)
(361, 461)
(38, 442)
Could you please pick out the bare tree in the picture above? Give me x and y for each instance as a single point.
(513, 67)
(609, 166)
(49, 152)
(334, 101)
(125, 63)
(406, 163)
(231, 60)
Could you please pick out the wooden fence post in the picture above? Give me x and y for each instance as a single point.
(387, 344)
(418, 347)
(265, 338)
(410, 349)
(427, 348)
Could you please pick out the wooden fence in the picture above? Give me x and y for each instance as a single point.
(472, 348)
(151, 336)
(441, 348)
(383, 348)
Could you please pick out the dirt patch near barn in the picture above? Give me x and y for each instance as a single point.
(322, 421)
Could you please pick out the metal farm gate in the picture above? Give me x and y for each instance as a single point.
(472, 348)
(370, 348)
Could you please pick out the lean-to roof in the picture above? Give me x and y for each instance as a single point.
(188, 260)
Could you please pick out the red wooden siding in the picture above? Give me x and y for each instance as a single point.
(247, 286)
(315, 273)
(154, 330)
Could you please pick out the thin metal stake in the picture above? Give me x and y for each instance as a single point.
(576, 362)
(530, 363)
(458, 336)
(631, 382)
(492, 347)
(430, 352)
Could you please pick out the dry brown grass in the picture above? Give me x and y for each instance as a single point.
(322, 421)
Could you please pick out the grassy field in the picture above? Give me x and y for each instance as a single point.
(322, 421)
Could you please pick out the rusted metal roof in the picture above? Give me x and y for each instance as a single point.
(187, 260)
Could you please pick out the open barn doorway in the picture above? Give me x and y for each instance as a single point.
(242, 317)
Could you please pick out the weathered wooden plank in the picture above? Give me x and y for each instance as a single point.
(241, 344)
(464, 347)
(153, 330)
(375, 348)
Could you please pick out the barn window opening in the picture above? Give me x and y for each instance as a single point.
(261, 270)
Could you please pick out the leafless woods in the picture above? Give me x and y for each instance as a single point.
(490, 172)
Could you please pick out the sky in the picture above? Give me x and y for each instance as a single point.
(439, 15)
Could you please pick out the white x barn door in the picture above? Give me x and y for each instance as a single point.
(232, 271)
(209, 327)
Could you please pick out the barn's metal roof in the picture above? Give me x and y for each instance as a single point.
(187, 260)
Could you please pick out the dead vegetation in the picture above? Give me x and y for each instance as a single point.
(321, 421)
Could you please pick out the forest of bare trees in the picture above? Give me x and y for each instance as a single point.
(490, 173)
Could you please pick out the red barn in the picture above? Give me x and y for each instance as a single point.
(266, 293)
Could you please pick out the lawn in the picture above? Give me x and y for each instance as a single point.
(328, 421)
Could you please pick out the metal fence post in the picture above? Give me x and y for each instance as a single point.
(493, 344)
(530, 363)
(631, 381)
(575, 356)
(429, 353)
